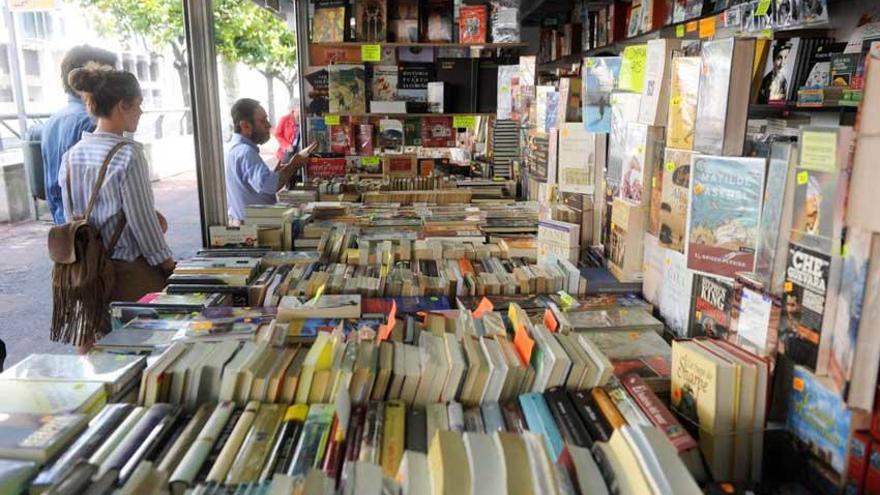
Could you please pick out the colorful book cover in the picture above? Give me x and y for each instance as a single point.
(711, 302)
(319, 134)
(716, 60)
(674, 199)
(403, 21)
(849, 305)
(724, 209)
(325, 168)
(639, 158)
(371, 20)
(317, 90)
(506, 76)
(437, 132)
(694, 388)
(328, 23)
(599, 81)
(675, 295)
(819, 419)
(806, 290)
(683, 95)
(472, 24)
(383, 85)
(632, 68)
(390, 134)
(364, 140)
(777, 84)
(347, 89)
(341, 139)
(814, 201)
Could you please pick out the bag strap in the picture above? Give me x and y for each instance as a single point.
(100, 180)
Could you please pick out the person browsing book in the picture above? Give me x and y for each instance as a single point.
(249, 181)
(124, 204)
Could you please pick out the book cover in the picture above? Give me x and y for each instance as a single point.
(819, 419)
(674, 199)
(35, 437)
(319, 133)
(364, 141)
(317, 90)
(460, 76)
(724, 209)
(632, 68)
(400, 165)
(403, 21)
(347, 89)
(390, 135)
(371, 20)
(599, 81)
(506, 76)
(711, 302)
(845, 330)
(328, 23)
(383, 84)
(412, 131)
(804, 301)
(776, 216)
(640, 156)
(325, 168)
(472, 23)
(624, 109)
(412, 85)
(578, 153)
(756, 317)
(675, 295)
(437, 132)
(437, 18)
(777, 86)
(341, 139)
(722, 104)
(655, 90)
(683, 94)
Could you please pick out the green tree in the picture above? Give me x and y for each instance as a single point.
(243, 33)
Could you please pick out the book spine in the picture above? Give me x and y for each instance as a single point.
(313, 440)
(393, 436)
(335, 449)
(598, 429)
(233, 444)
(207, 450)
(540, 420)
(149, 447)
(565, 416)
(369, 450)
(607, 408)
(658, 414)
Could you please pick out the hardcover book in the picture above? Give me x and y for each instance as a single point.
(437, 16)
(317, 90)
(371, 20)
(341, 139)
(35, 437)
(599, 81)
(778, 85)
(722, 106)
(804, 304)
(383, 90)
(325, 168)
(724, 209)
(674, 199)
(579, 151)
(437, 132)
(347, 89)
(683, 95)
(472, 23)
(403, 21)
(412, 85)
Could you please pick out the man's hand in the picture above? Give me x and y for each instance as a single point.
(168, 266)
(299, 160)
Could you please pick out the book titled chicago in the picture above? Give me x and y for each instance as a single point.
(725, 206)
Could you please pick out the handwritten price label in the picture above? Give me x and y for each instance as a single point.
(371, 53)
(331, 119)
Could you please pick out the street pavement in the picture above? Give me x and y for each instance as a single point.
(25, 268)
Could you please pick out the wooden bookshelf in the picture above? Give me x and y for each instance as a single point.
(355, 44)
(386, 114)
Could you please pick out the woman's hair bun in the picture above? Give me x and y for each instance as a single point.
(89, 78)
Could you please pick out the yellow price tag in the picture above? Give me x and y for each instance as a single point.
(767, 33)
(331, 119)
(464, 122)
(679, 31)
(803, 177)
(707, 27)
(676, 100)
(844, 251)
(788, 287)
(371, 53)
(371, 161)
(317, 295)
(590, 63)
(763, 8)
(670, 166)
(566, 300)
(512, 316)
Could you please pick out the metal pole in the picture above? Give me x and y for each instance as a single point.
(302, 61)
(12, 54)
(205, 91)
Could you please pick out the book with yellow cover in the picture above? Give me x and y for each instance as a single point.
(683, 102)
(252, 455)
(702, 390)
(448, 464)
(393, 435)
(674, 199)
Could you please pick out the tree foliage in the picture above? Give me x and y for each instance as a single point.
(243, 31)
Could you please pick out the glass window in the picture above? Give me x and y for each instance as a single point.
(31, 62)
(35, 93)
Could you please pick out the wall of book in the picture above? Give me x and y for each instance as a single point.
(687, 304)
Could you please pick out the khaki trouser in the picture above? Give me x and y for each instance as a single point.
(136, 278)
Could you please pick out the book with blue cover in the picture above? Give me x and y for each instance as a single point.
(540, 420)
(599, 80)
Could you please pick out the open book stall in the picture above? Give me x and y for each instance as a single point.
(579, 247)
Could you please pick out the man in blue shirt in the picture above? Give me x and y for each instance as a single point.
(65, 127)
(249, 181)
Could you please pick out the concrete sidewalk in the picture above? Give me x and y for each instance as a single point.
(25, 268)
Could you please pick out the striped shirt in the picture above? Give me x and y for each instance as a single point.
(126, 189)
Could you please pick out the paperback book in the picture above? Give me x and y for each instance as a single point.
(683, 102)
(371, 20)
(712, 302)
(347, 89)
(599, 81)
(724, 210)
(674, 199)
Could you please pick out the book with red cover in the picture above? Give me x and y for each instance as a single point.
(335, 449)
(437, 132)
(365, 140)
(657, 413)
(325, 168)
(859, 453)
(472, 24)
(341, 139)
(872, 475)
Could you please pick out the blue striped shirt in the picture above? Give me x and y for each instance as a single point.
(248, 180)
(126, 189)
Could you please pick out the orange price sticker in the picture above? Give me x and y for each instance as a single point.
(691, 26)
(524, 344)
(798, 384)
(484, 307)
(549, 321)
(707, 27)
(386, 329)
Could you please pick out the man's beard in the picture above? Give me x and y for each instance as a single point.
(260, 138)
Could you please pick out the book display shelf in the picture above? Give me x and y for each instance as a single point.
(580, 248)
